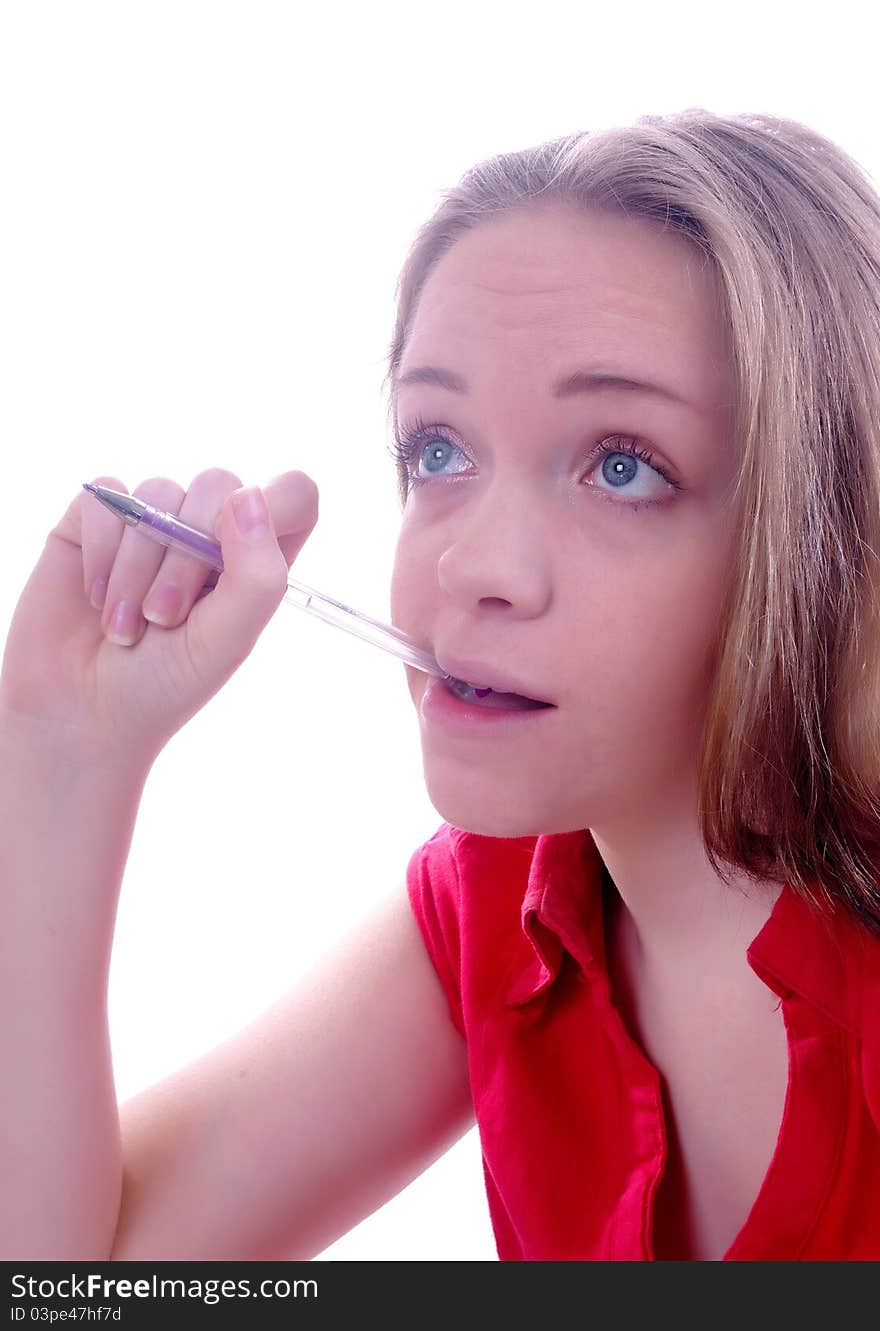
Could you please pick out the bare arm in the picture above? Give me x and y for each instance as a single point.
(284, 1137)
(82, 719)
(271, 1145)
(65, 832)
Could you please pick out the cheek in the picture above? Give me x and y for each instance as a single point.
(649, 630)
(409, 583)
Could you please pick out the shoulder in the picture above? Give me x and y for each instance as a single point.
(463, 883)
(453, 862)
(452, 883)
(432, 875)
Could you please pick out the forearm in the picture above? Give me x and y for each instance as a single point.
(65, 832)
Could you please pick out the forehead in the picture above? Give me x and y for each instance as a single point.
(548, 288)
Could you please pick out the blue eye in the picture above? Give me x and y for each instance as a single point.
(621, 458)
(625, 452)
(414, 439)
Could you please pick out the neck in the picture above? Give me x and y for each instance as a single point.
(677, 911)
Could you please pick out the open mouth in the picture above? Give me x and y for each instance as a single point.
(492, 701)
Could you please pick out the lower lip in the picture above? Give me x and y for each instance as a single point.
(442, 708)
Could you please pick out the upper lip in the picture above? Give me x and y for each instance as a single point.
(487, 677)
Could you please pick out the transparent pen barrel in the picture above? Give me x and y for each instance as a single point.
(361, 626)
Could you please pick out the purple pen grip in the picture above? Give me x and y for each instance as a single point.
(171, 531)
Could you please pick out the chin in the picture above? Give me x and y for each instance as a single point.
(495, 820)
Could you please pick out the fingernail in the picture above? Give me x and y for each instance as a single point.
(124, 624)
(250, 512)
(98, 594)
(162, 606)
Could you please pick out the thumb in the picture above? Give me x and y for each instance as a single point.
(253, 582)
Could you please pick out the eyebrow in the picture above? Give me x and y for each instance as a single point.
(581, 381)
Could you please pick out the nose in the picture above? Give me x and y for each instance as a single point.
(498, 556)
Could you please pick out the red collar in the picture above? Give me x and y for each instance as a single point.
(798, 949)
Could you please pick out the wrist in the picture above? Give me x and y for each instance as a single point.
(53, 747)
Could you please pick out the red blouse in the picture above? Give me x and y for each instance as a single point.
(569, 1107)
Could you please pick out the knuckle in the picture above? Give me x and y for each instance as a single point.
(109, 483)
(294, 502)
(308, 490)
(165, 492)
(216, 478)
(86, 506)
(305, 488)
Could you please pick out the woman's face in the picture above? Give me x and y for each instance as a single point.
(525, 550)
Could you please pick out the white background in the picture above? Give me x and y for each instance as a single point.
(204, 210)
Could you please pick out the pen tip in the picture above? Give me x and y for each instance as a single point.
(87, 486)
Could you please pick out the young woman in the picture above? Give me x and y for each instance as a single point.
(635, 387)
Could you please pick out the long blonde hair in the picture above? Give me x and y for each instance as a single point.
(789, 774)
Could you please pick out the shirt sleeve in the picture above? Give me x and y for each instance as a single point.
(433, 887)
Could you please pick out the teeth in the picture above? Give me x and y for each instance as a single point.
(462, 686)
(487, 697)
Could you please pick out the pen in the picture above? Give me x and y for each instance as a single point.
(169, 530)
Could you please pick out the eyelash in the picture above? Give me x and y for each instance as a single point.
(411, 437)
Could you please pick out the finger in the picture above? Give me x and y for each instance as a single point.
(181, 578)
(91, 527)
(137, 561)
(293, 502)
(224, 626)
